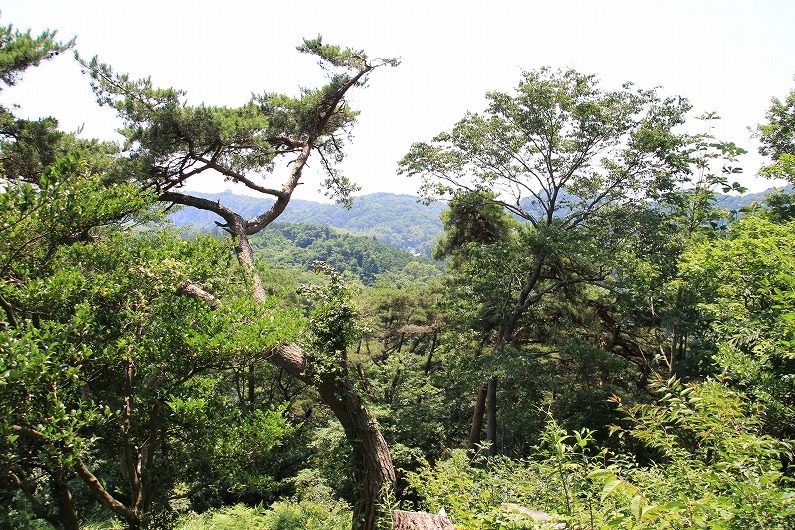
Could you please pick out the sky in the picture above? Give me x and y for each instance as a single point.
(729, 57)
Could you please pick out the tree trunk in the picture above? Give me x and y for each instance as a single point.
(372, 461)
(374, 470)
(431, 349)
(67, 514)
(251, 384)
(491, 416)
(373, 465)
(477, 420)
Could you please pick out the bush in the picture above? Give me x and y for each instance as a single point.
(712, 469)
(283, 515)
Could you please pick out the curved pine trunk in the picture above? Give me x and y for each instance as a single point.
(374, 470)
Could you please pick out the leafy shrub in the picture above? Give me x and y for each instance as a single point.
(712, 469)
(283, 515)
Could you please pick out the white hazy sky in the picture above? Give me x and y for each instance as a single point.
(725, 56)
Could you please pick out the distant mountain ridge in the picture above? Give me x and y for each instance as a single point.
(399, 220)
(735, 202)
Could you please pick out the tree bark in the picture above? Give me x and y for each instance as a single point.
(372, 461)
(491, 416)
(373, 465)
(67, 513)
(477, 420)
(103, 495)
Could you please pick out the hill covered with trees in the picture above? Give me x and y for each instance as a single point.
(365, 258)
(399, 220)
(402, 221)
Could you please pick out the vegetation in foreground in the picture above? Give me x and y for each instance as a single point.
(605, 344)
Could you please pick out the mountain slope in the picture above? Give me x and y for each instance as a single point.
(398, 220)
(301, 244)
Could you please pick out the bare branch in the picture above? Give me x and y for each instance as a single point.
(193, 290)
(238, 177)
(201, 203)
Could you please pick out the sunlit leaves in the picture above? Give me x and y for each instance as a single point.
(777, 137)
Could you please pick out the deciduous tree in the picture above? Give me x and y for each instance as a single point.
(572, 161)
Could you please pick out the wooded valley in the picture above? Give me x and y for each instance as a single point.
(580, 323)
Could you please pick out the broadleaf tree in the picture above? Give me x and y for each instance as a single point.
(569, 159)
(777, 138)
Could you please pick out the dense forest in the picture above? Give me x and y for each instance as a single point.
(600, 341)
(399, 220)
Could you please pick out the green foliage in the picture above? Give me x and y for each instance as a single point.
(745, 284)
(117, 358)
(21, 50)
(283, 515)
(472, 219)
(780, 206)
(713, 470)
(100, 349)
(777, 137)
(66, 203)
(138, 356)
(332, 324)
(690, 198)
(301, 245)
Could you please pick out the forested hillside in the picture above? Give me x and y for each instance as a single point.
(302, 244)
(606, 347)
(399, 220)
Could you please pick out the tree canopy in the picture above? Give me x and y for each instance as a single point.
(625, 343)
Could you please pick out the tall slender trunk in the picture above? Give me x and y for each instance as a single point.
(505, 337)
(431, 349)
(251, 384)
(491, 415)
(477, 419)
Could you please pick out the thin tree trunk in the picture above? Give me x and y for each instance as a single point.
(251, 384)
(477, 420)
(67, 513)
(429, 360)
(491, 416)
